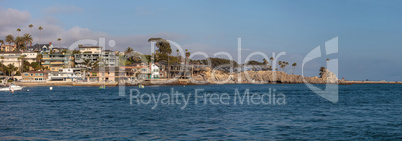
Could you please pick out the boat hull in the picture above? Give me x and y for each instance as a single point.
(12, 88)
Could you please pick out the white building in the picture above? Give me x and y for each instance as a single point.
(154, 71)
(66, 74)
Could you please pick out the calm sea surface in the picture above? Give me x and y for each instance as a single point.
(363, 112)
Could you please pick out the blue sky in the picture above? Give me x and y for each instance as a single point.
(369, 32)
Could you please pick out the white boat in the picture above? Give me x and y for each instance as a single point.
(12, 87)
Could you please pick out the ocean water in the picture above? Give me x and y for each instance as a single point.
(363, 112)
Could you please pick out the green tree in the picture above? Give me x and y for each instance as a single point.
(10, 68)
(18, 31)
(58, 40)
(21, 60)
(177, 55)
(39, 59)
(294, 67)
(128, 51)
(265, 61)
(76, 52)
(9, 39)
(19, 41)
(2, 42)
(27, 39)
(30, 28)
(322, 71)
(163, 47)
(40, 32)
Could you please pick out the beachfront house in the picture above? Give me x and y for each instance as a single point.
(106, 58)
(57, 61)
(90, 49)
(38, 47)
(7, 48)
(154, 68)
(12, 57)
(66, 74)
(29, 56)
(34, 76)
(106, 74)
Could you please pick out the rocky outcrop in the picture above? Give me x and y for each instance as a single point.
(220, 77)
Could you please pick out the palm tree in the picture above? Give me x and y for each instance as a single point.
(265, 61)
(177, 55)
(18, 30)
(30, 28)
(157, 55)
(19, 40)
(128, 51)
(2, 42)
(27, 39)
(286, 64)
(10, 68)
(321, 71)
(40, 34)
(58, 40)
(39, 59)
(294, 67)
(21, 61)
(9, 39)
(280, 64)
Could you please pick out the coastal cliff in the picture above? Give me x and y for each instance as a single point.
(219, 77)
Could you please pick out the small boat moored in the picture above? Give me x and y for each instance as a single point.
(11, 88)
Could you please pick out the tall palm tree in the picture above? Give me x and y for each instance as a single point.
(30, 28)
(157, 55)
(40, 34)
(286, 64)
(177, 55)
(2, 42)
(9, 39)
(27, 39)
(58, 40)
(39, 59)
(21, 61)
(294, 67)
(280, 64)
(18, 30)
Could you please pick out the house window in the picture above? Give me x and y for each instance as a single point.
(26, 74)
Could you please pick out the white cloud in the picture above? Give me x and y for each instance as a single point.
(12, 18)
